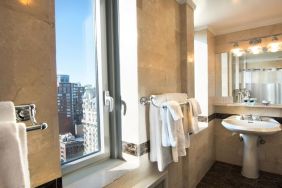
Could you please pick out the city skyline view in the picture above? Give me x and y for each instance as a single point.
(77, 112)
(76, 78)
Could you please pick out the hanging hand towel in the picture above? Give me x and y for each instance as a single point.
(193, 112)
(158, 153)
(13, 148)
(172, 121)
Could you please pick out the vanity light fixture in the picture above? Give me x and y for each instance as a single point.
(275, 45)
(255, 45)
(255, 48)
(237, 51)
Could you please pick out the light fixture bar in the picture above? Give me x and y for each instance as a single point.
(254, 38)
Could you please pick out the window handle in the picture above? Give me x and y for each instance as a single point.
(123, 104)
(109, 101)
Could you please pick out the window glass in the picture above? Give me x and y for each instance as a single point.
(77, 88)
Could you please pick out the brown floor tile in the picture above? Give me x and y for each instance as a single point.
(223, 175)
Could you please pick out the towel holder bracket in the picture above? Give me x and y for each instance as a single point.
(27, 113)
(145, 100)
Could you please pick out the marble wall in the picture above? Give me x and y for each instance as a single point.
(164, 59)
(28, 75)
(166, 64)
(201, 156)
(211, 71)
(159, 40)
(159, 59)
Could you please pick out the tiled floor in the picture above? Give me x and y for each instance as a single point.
(223, 175)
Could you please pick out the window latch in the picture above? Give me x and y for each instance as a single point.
(123, 104)
(109, 101)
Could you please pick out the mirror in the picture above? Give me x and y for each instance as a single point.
(256, 77)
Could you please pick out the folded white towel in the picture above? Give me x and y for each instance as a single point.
(171, 113)
(172, 129)
(13, 148)
(159, 154)
(13, 161)
(195, 109)
(7, 111)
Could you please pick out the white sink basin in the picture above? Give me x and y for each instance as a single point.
(250, 131)
(265, 127)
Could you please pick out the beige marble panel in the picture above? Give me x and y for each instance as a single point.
(187, 50)
(229, 149)
(39, 9)
(211, 71)
(201, 156)
(28, 75)
(159, 63)
(158, 47)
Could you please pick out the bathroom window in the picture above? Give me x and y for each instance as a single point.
(81, 80)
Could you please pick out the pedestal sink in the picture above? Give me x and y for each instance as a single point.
(250, 130)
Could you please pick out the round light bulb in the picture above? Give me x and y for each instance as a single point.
(274, 47)
(237, 52)
(255, 49)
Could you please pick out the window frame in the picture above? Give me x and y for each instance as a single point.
(108, 72)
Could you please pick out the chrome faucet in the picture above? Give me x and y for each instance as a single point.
(250, 117)
(242, 94)
(246, 117)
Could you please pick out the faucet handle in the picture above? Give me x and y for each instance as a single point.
(246, 117)
(256, 118)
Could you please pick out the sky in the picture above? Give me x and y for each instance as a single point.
(75, 40)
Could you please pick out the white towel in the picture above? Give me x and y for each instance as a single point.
(13, 148)
(7, 111)
(159, 153)
(171, 114)
(195, 109)
(172, 129)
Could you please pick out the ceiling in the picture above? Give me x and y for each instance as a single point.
(226, 16)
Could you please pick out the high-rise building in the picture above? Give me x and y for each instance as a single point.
(79, 130)
(89, 120)
(70, 147)
(69, 99)
(62, 78)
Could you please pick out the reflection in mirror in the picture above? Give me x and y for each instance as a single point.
(223, 68)
(250, 78)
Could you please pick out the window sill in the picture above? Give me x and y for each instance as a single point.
(98, 174)
(84, 162)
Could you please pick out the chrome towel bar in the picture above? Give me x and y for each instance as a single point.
(150, 100)
(27, 113)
